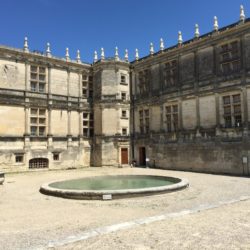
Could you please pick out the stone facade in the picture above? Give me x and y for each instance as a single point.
(185, 107)
(191, 104)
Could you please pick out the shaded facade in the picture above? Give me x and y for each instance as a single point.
(191, 103)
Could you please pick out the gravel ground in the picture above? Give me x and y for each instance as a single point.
(29, 219)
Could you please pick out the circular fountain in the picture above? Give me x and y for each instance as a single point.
(113, 186)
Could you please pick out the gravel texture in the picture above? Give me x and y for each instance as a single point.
(31, 220)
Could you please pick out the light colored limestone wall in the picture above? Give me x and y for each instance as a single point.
(124, 122)
(109, 123)
(74, 84)
(74, 123)
(121, 87)
(59, 122)
(11, 145)
(12, 75)
(109, 82)
(109, 154)
(189, 114)
(60, 144)
(12, 121)
(207, 111)
(59, 82)
(38, 144)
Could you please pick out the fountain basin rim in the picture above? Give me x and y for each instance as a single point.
(120, 193)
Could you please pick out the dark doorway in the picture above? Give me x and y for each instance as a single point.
(142, 156)
(124, 155)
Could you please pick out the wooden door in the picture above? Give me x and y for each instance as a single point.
(124, 156)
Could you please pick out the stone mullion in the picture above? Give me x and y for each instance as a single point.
(69, 122)
(80, 123)
(217, 110)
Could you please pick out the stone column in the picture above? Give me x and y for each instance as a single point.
(198, 117)
(27, 76)
(80, 84)
(180, 114)
(80, 127)
(68, 84)
(217, 110)
(69, 136)
(49, 80)
(27, 127)
(80, 123)
(50, 139)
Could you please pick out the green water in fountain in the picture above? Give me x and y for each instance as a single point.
(115, 182)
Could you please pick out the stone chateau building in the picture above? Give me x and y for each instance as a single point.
(186, 107)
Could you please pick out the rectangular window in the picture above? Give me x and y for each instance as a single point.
(37, 122)
(87, 86)
(123, 79)
(124, 96)
(56, 156)
(232, 111)
(124, 113)
(88, 124)
(37, 78)
(172, 119)
(19, 158)
(143, 86)
(124, 131)
(170, 73)
(230, 58)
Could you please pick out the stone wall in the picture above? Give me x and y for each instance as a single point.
(206, 156)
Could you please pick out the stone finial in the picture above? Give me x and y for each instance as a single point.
(180, 40)
(78, 56)
(116, 54)
(102, 54)
(216, 25)
(67, 54)
(136, 54)
(48, 52)
(161, 44)
(95, 56)
(151, 49)
(126, 55)
(197, 32)
(242, 14)
(25, 45)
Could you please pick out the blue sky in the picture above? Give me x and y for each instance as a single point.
(89, 25)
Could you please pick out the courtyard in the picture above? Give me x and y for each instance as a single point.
(212, 213)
